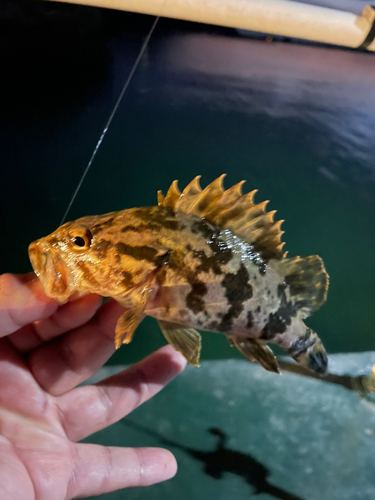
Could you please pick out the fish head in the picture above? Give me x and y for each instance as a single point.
(94, 255)
(65, 259)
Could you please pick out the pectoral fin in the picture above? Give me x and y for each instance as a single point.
(185, 340)
(128, 322)
(126, 326)
(257, 352)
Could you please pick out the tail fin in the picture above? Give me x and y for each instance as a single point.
(309, 352)
(308, 282)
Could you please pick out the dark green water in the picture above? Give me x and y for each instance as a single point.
(296, 122)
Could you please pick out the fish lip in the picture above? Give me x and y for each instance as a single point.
(34, 257)
(51, 271)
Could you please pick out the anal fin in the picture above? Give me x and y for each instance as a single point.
(256, 351)
(185, 340)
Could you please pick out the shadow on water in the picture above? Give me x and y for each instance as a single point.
(223, 459)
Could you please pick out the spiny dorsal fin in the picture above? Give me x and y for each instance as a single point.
(308, 281)
(229, 209)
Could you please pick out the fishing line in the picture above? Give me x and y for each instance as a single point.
(109, 121)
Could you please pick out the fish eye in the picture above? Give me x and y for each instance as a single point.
(80, 238)
(79, 241)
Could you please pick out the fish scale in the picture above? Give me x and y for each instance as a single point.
(201, 259)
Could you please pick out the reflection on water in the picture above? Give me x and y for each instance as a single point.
(329, 92)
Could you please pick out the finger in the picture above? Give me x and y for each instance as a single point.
(22, 301)
(69, 360)
(88, 409)
(65, 318)
(19, 392)
(15, 482)
(100, 469)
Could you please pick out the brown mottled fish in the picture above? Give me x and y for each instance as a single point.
(210, 259)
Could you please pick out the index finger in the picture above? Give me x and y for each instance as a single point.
(22, 301)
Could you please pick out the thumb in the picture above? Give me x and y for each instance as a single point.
(22, 301)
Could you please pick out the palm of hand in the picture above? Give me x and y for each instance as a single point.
(42, 411)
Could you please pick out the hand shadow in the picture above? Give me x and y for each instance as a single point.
(223, 459)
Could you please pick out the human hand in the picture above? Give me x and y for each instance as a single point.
(45, 352)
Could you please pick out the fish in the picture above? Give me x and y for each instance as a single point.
(209, 260)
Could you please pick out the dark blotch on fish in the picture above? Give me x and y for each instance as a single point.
(101, 247)
(281, 291)
(161, 275)
(279, 321)
(87, 274)
(222, 253)
(158, 217)
(237, 287)
(135, 229)
(207, 263)
(206, 229)
(194, 299)
(256, 259)
(227, 320)
(276, 323)
(265, 252)
(163, 259)
(177, 263)
(137, 252)
(301, 344)
(237, 291)
(127, 279)
(250, 320)
(102, 225)
(53, 241)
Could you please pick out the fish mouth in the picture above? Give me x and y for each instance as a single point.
(51, 271)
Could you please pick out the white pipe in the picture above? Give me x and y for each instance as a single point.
(276, 17)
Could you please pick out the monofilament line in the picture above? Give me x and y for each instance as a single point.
(109, 121)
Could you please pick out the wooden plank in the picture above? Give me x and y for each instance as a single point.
(275, 17)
